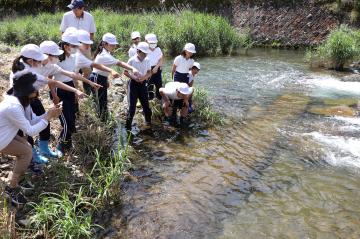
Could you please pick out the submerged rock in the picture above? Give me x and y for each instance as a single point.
(341, 110)
(337, 102)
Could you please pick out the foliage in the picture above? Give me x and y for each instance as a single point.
(341, 46)
(211, 34)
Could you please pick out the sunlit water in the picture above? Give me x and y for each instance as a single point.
(275, 171)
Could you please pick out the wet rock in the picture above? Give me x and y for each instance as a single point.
(341, 110)
(351, 78)
(337, 102)
(118, 82)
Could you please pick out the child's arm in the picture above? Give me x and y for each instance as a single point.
(101, 67)
(133, 77)
(80, 78)
(173, 71)
(159, 64)
(128, 67)
(146, 76)
(58, 84)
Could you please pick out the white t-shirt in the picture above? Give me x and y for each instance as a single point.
(191, 77)
(106, 59)
(41, 80)
(132, 51)
(48, 70)
(142, 66)
(68, 65)
(84, 23)
(170, 89)
(183, 65)
(155, 56)
(12, 119)
(82, 61)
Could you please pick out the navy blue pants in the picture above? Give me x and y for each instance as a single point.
(181, 77)
(101, 95)
(154, 85)
(68, 116)
(38, 109)
(137, 91)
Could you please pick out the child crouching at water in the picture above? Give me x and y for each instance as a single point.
(137, 87)
(176, 96)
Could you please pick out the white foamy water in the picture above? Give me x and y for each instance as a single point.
(330, 86)
(340, 151)
(355, 121)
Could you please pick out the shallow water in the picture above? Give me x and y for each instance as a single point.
(275, 171)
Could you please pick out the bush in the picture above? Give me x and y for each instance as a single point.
(341, 46)
(212, 35)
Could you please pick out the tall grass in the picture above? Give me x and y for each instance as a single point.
(61, 216)
(212, 35)
(203, 109)
(341, 47)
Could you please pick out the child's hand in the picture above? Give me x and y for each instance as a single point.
(155, 70)
(56, 100)
(95, 86)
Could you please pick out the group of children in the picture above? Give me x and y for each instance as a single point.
(60, 66)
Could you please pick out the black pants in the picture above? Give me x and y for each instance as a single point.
(68, 116)
(138, 91)
(38, 108)
(154, 84)
(101, 95)
(181, 77)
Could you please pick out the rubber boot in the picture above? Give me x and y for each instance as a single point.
(46, 151)
(38, 158)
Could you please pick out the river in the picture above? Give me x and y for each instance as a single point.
(274, 171)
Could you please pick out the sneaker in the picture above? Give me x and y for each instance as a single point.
(15, 195)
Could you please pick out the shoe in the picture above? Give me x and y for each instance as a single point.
(60, 149)
(15, 195)
(146, 126)
(46, 151)
(39, 159)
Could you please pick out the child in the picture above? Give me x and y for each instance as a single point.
(156, 61)
(135, 38)
(137, 88)
(104, 56)
(192, 73)
(183, 63)
(64, 73)
(31, 58)
(176, 96)
(12, 119)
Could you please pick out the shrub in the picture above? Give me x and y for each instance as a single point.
(341, 46)
(212, 35)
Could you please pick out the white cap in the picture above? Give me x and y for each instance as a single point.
(71, 29)
(144, 47)
(151, 38)
(185, 89)
(32, 51)
(50, 48)
(84, 37)
(197, 65)
(110, 39)
(70, 37)
(135, 35)
(190, 47)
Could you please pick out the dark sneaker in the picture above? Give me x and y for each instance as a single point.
(15, 195)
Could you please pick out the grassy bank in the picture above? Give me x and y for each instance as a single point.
(340, 48)
(212, 35)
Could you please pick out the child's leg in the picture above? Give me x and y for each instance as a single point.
(158, 84)
(144, 100)
(132, 99)
(103, 97)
